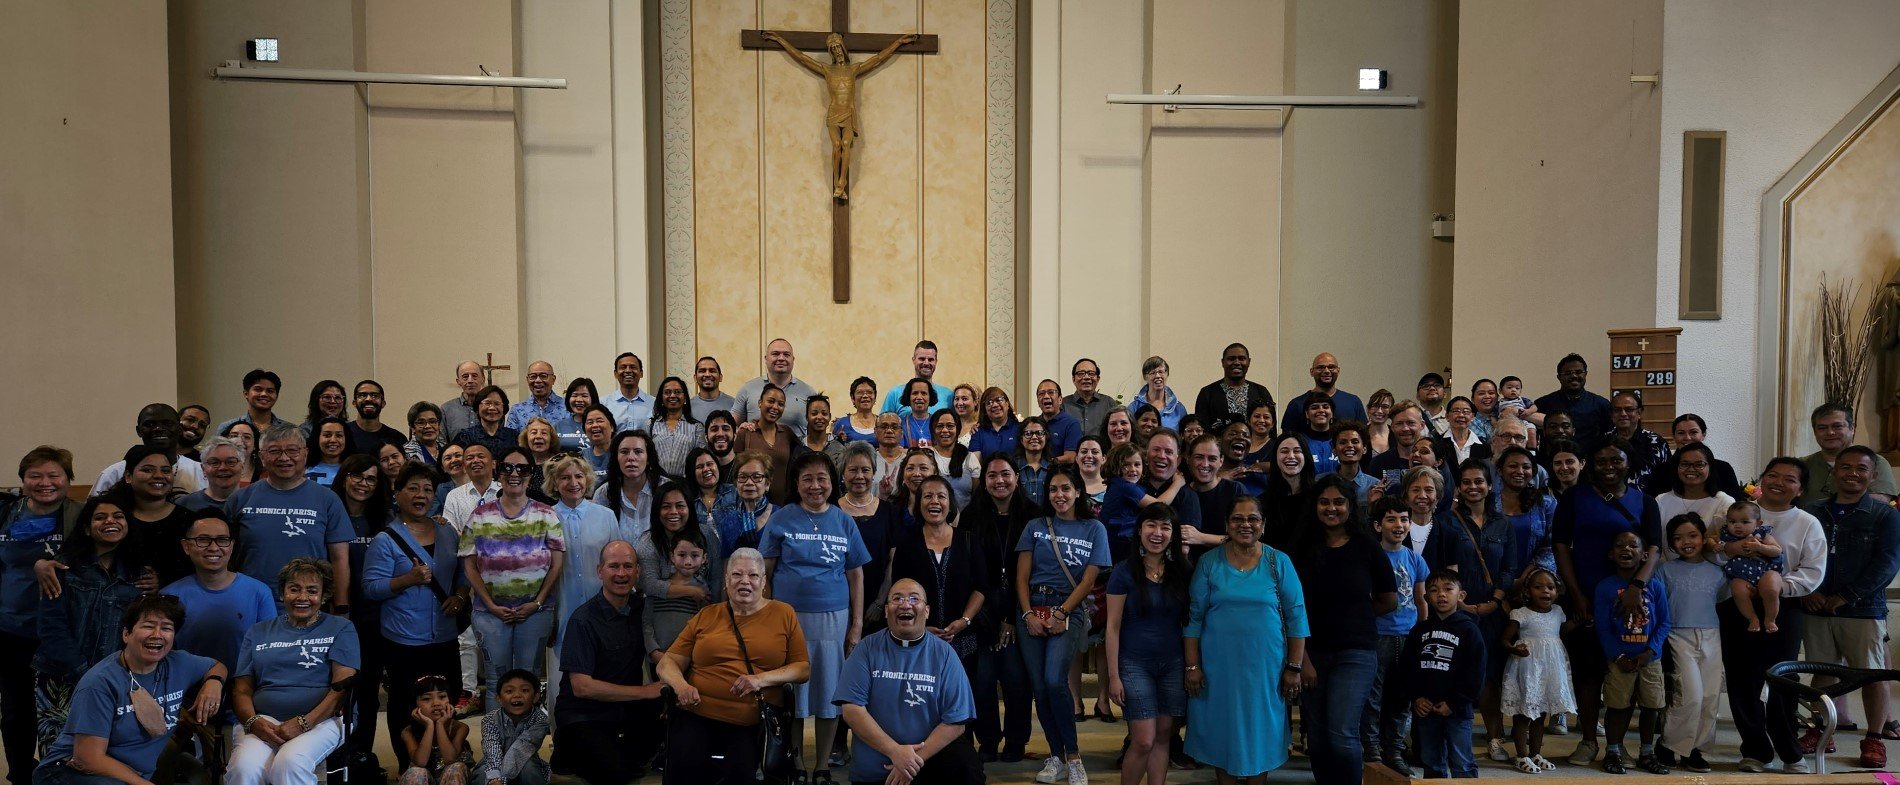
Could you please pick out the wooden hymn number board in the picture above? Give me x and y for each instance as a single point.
(1644, 360)
(814, 41)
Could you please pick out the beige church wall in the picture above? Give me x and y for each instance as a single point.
(331, 231)
(583, 190)
(85, 228)
(1776, 77)
(1844, 228)
(760, 209)
(1556, 167)
(1362, 276)
(270, 197)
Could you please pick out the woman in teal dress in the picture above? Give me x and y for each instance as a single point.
(1245, 604)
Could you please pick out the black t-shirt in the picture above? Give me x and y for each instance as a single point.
(1339, 584)
(1216, 505)
(368, 442)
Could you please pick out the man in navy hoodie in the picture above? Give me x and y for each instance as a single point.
(1438, 677)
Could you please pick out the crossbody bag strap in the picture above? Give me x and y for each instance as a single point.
(1050, 524)
(403, 543)
(1477, 548)
(733, 616)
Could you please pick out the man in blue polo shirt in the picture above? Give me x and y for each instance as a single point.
(1065, 432)
(923, 362)
(906, 698)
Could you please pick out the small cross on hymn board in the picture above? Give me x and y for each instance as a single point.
(1643, 344)
(841, 77)
(489, 367)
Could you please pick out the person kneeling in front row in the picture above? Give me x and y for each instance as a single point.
(907, 701)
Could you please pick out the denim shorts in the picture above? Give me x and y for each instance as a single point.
(1153, 688)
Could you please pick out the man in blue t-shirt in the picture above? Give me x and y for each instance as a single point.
(906, 698)
(220, 605)
(1065, 432)
(923, 364)
(287, 516)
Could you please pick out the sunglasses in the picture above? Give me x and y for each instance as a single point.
(514, 468)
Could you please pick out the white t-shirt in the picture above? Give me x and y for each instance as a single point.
(187, 475)
(1803, 546)
(1712, 510)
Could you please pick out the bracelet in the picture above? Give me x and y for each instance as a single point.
(1025, 616)
(1192, 668)
(301, 722)
(1059, 611)
(1295, 667)
(213, 676)
(252, 721)
(965, 620)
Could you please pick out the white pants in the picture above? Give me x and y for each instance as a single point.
(298, 762)
(470, 647)
(1698, 690)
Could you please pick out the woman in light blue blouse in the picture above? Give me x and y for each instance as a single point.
(413, 570)
(1156, 392)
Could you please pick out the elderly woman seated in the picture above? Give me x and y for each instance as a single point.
(291, 678)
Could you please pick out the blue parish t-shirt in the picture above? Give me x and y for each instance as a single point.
(102, 706)
(276, 526)
(813, 553)
(1081, 544)
(908, 689)
(292, 665)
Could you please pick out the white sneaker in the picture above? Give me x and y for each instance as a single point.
(1498, 753)
(1751, 766)
(1797, 767)
(1076, 775)
(1051, 771)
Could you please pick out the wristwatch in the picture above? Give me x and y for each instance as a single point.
(1295, 667)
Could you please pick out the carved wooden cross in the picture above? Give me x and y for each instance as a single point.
(489, 367)
(814, 40)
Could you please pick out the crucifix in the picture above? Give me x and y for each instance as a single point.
(489, 367)
(841, 116)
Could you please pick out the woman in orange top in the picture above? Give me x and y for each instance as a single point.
(712, 739)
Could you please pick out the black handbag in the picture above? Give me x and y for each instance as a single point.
(463, 618)
(779, 750)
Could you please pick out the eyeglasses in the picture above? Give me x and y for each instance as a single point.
(514, 468)
(1034, 435)
(362, 478)
(1694, 464)
(208, 542)
(1090, 374)
(752, 477)
(330, 397)
(907, 599)
(280, 452)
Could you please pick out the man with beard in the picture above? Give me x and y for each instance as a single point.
(1325, 373)
(706, 376)
(541, 401)
(1231, 397)
(923, 365)
(632, 408)
(907, 700)
(157, 427)
(458, 414)
(1588, 411)
(721, 431)
(1319, 434)
(224, 472)
(369, 431)
(1431, 404)
(194, 421)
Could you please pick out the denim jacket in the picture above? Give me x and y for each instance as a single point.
(80, 627)
(1863, 553)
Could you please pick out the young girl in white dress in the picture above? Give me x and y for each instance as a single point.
(1537, 676)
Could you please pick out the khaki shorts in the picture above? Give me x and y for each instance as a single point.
(1645, 686)
(1860, 643)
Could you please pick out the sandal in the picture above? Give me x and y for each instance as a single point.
(1542, 763)
(1613, 762)
(1650, 764)
(1891, 730)
(1528, 766)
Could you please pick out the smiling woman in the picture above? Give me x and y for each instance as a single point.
(282, 689)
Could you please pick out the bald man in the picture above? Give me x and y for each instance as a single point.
(778, 370)
(907, 700)
(542, 400)
(458, 413)
(1325, 373)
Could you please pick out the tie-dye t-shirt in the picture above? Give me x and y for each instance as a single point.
(512, 554)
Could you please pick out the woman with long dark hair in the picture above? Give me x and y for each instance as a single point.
(329, 443)
(1348, 585)
(367, 500)
(628, 491)
(1057, 560)
(77, 625)
(1284, 486)
(675, 431)
(955, 462)
(327, 399)
(1531, 510)
(949, 563)
(1147, 608)
(673, 520)
(996, 518)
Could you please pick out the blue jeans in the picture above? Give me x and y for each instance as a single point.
(1047, 660)
(1007, 724)
(1381, 730)
(506, 647)
(1445, 744)
(1335, 707)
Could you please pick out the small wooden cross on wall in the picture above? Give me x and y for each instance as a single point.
(1643, 344)
(808, 40)
(489, 367)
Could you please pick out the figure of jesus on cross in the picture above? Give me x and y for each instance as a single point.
(841, 87)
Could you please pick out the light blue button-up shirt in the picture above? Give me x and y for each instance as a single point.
(630, 414)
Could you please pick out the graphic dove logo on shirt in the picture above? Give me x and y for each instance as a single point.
(306, 659)
(911, 698)
(1070, 556)
(294, 527)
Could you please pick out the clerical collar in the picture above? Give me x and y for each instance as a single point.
(909, 643)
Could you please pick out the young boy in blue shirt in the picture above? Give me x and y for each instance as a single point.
(1632, 637)
(1383, 729)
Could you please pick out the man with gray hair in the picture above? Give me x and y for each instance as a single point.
(608, 728)
(287, 516)
(458, 413)
(224, 464)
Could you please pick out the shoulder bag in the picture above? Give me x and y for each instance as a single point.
(778, 754)
(462, 618)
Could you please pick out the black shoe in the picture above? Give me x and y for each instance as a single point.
(840, 759)
(1665, 756)
(1650, 764)
(1396, 763)
(1011, 755)
(821, 777)
(1695, 763)
(1613, 761)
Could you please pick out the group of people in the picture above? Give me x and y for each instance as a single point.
(931, 569)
